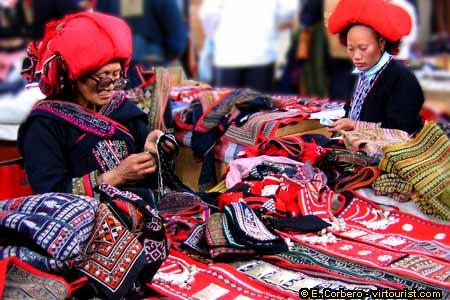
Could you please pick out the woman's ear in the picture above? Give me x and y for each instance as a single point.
(382, 43)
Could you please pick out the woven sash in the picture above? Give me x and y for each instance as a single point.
(364, 177)
(181, 277)
(393, 186)
(424, 162)
(371, 141)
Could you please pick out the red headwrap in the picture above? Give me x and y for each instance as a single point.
(389, 20)
(80, 44)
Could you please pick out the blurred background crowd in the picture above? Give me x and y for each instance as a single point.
(276, 46)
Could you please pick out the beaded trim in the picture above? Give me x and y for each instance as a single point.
(86, 184)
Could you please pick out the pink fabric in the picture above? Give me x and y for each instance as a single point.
(241, 167)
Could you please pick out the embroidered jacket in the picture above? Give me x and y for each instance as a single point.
(394, 101)
(66, 146)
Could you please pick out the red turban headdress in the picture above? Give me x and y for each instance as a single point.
(77, 45)
(389, 20)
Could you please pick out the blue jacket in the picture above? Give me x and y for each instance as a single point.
(159, 32)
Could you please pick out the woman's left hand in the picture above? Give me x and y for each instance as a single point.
(343, 124)
(150, 143)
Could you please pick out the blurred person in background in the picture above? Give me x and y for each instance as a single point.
(46, 10)
(160, 35)
(407, 43)
(244, 39)
(20, 21)
(16, 100)
(442, 12)
(324, 64)
(387, 93)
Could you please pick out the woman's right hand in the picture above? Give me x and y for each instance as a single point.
(133, 168)
(342, 124)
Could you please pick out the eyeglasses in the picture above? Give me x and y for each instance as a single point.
(104, 82)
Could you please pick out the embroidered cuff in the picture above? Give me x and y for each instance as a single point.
(85, 185)
(361, 125)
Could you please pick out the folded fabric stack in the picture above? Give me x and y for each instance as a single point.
(237, 231)
(371, 141)
(393, 186)
(424, 162)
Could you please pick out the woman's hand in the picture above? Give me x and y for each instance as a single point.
(150, 143)
(133, 168)
(342, 124)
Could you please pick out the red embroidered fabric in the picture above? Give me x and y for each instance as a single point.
(395, 230)
(390, 240)
(181, 277)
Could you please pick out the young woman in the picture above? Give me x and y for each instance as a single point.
(387, 93)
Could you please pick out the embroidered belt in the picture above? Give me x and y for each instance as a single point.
(363, 178)
(181, 277)
(302, 254)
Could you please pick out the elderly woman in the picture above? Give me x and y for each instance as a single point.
(86, 138)
(387, 93)
(86, 132)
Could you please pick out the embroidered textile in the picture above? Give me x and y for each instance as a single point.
(174, 202)
(167, 179)
(225, 106)
(393, 186)
(240, 168)
(363, 178)
(87, 121)
(395, 230)
(425, 162)
(340, 163)
(114, 257)
(181, 277)
(59, 224)
(85, 185)
(267, 168)
(197, 240)
(126, 243)
(371, 141)
(247, 229)
(152, 235)
(22, 281)
(302, 254)
(261, 125)
(109, 153)
(383, 259)
(377, 238)
(288, 146)
(361, 92)
(152, 95)
(293, 281)
(365, 84)
(217, 241)
(214, 231)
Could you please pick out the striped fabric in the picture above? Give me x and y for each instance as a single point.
(393, 186)
(225, 106)
(372, 140)
(261, 125)
(425, 162)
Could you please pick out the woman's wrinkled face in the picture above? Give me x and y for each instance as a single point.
(364, 47)
(92, 90)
